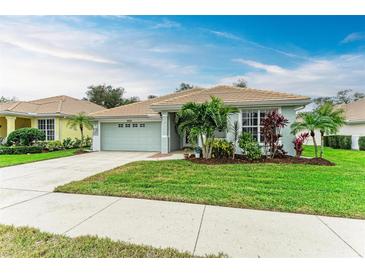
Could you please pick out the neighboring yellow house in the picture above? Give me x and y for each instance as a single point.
(50, 115)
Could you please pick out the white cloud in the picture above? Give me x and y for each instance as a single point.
(323, 77)
(52, 42)
(225, 35)
(166, 24)
(258, 65)
(352, 37)
(231, 36)
(39, 60)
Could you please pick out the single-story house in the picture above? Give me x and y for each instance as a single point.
(150, 125)
(354, 122)
(50, 115)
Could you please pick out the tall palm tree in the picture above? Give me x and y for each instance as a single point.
(335, 116)
(201, 120)
(80, 121)
(311, 121)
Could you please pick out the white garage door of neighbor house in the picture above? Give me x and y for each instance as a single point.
(134, 136)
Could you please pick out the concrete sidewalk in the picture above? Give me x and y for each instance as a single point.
(196, 228)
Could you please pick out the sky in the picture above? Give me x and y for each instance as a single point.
(43, 56)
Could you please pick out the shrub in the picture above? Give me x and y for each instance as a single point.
(298, 143)
(272, 125)
(222, 148)
(25, 136)
(77, 143)
(249, 146)
(362, 143)
(338, 141)
(20, 149)
(54, 146)
(345, 141)
(88, 141)
(68, 143)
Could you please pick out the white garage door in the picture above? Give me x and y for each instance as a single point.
(134, 136)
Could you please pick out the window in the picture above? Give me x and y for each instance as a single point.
(127, 125)
(135, 125)
(251, 122)
(120, 125)
(47, 126)
(141, 125)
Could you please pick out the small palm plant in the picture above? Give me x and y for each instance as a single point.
(335, 117)
(311, 121)
(202, 120)
(80, 121)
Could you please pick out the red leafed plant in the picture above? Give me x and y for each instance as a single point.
(272, 125)
(298, 143)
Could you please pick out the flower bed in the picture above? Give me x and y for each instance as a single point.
(239, 159)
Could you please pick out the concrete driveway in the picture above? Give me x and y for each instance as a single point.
(46, 175)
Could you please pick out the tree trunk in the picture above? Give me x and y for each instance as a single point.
(82, 136)
(204, 151)
(322, 144)
(314, 143)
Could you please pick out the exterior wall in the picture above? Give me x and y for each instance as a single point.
(352, 129)
(165, 133)
(288, 138)
(175, 140)
(96, 145)
(3, 127)
(22, 122)
(63, 131)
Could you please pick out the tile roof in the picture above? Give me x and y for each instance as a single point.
(229, 94)
(64, 105)
(355, 111)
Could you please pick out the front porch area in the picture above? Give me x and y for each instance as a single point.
(10, 123)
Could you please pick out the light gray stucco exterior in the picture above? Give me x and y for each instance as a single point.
(170, 140)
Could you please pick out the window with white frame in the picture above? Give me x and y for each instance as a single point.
(47, 126)
(252, 120)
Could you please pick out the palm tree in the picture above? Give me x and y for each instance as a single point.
(80, 121)
(311, 121)
(201, 120)
(336, 117)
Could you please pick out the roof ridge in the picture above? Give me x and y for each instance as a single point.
(184, 95)
(14, 105)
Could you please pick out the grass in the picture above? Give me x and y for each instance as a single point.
(26, 242)
(11, 160)
(325, 190)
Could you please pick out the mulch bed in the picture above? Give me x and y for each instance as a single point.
(239, 159)
(77, 152)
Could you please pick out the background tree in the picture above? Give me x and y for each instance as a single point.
(151, 96)
(241, 83)
(184, 86)
(6, 99)
(335, 117)
(345, 96)
(107, 96)
(202, 120)
(80, 121)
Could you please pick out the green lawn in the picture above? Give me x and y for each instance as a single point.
(26, 242)
(326, 190)
(10, 160)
